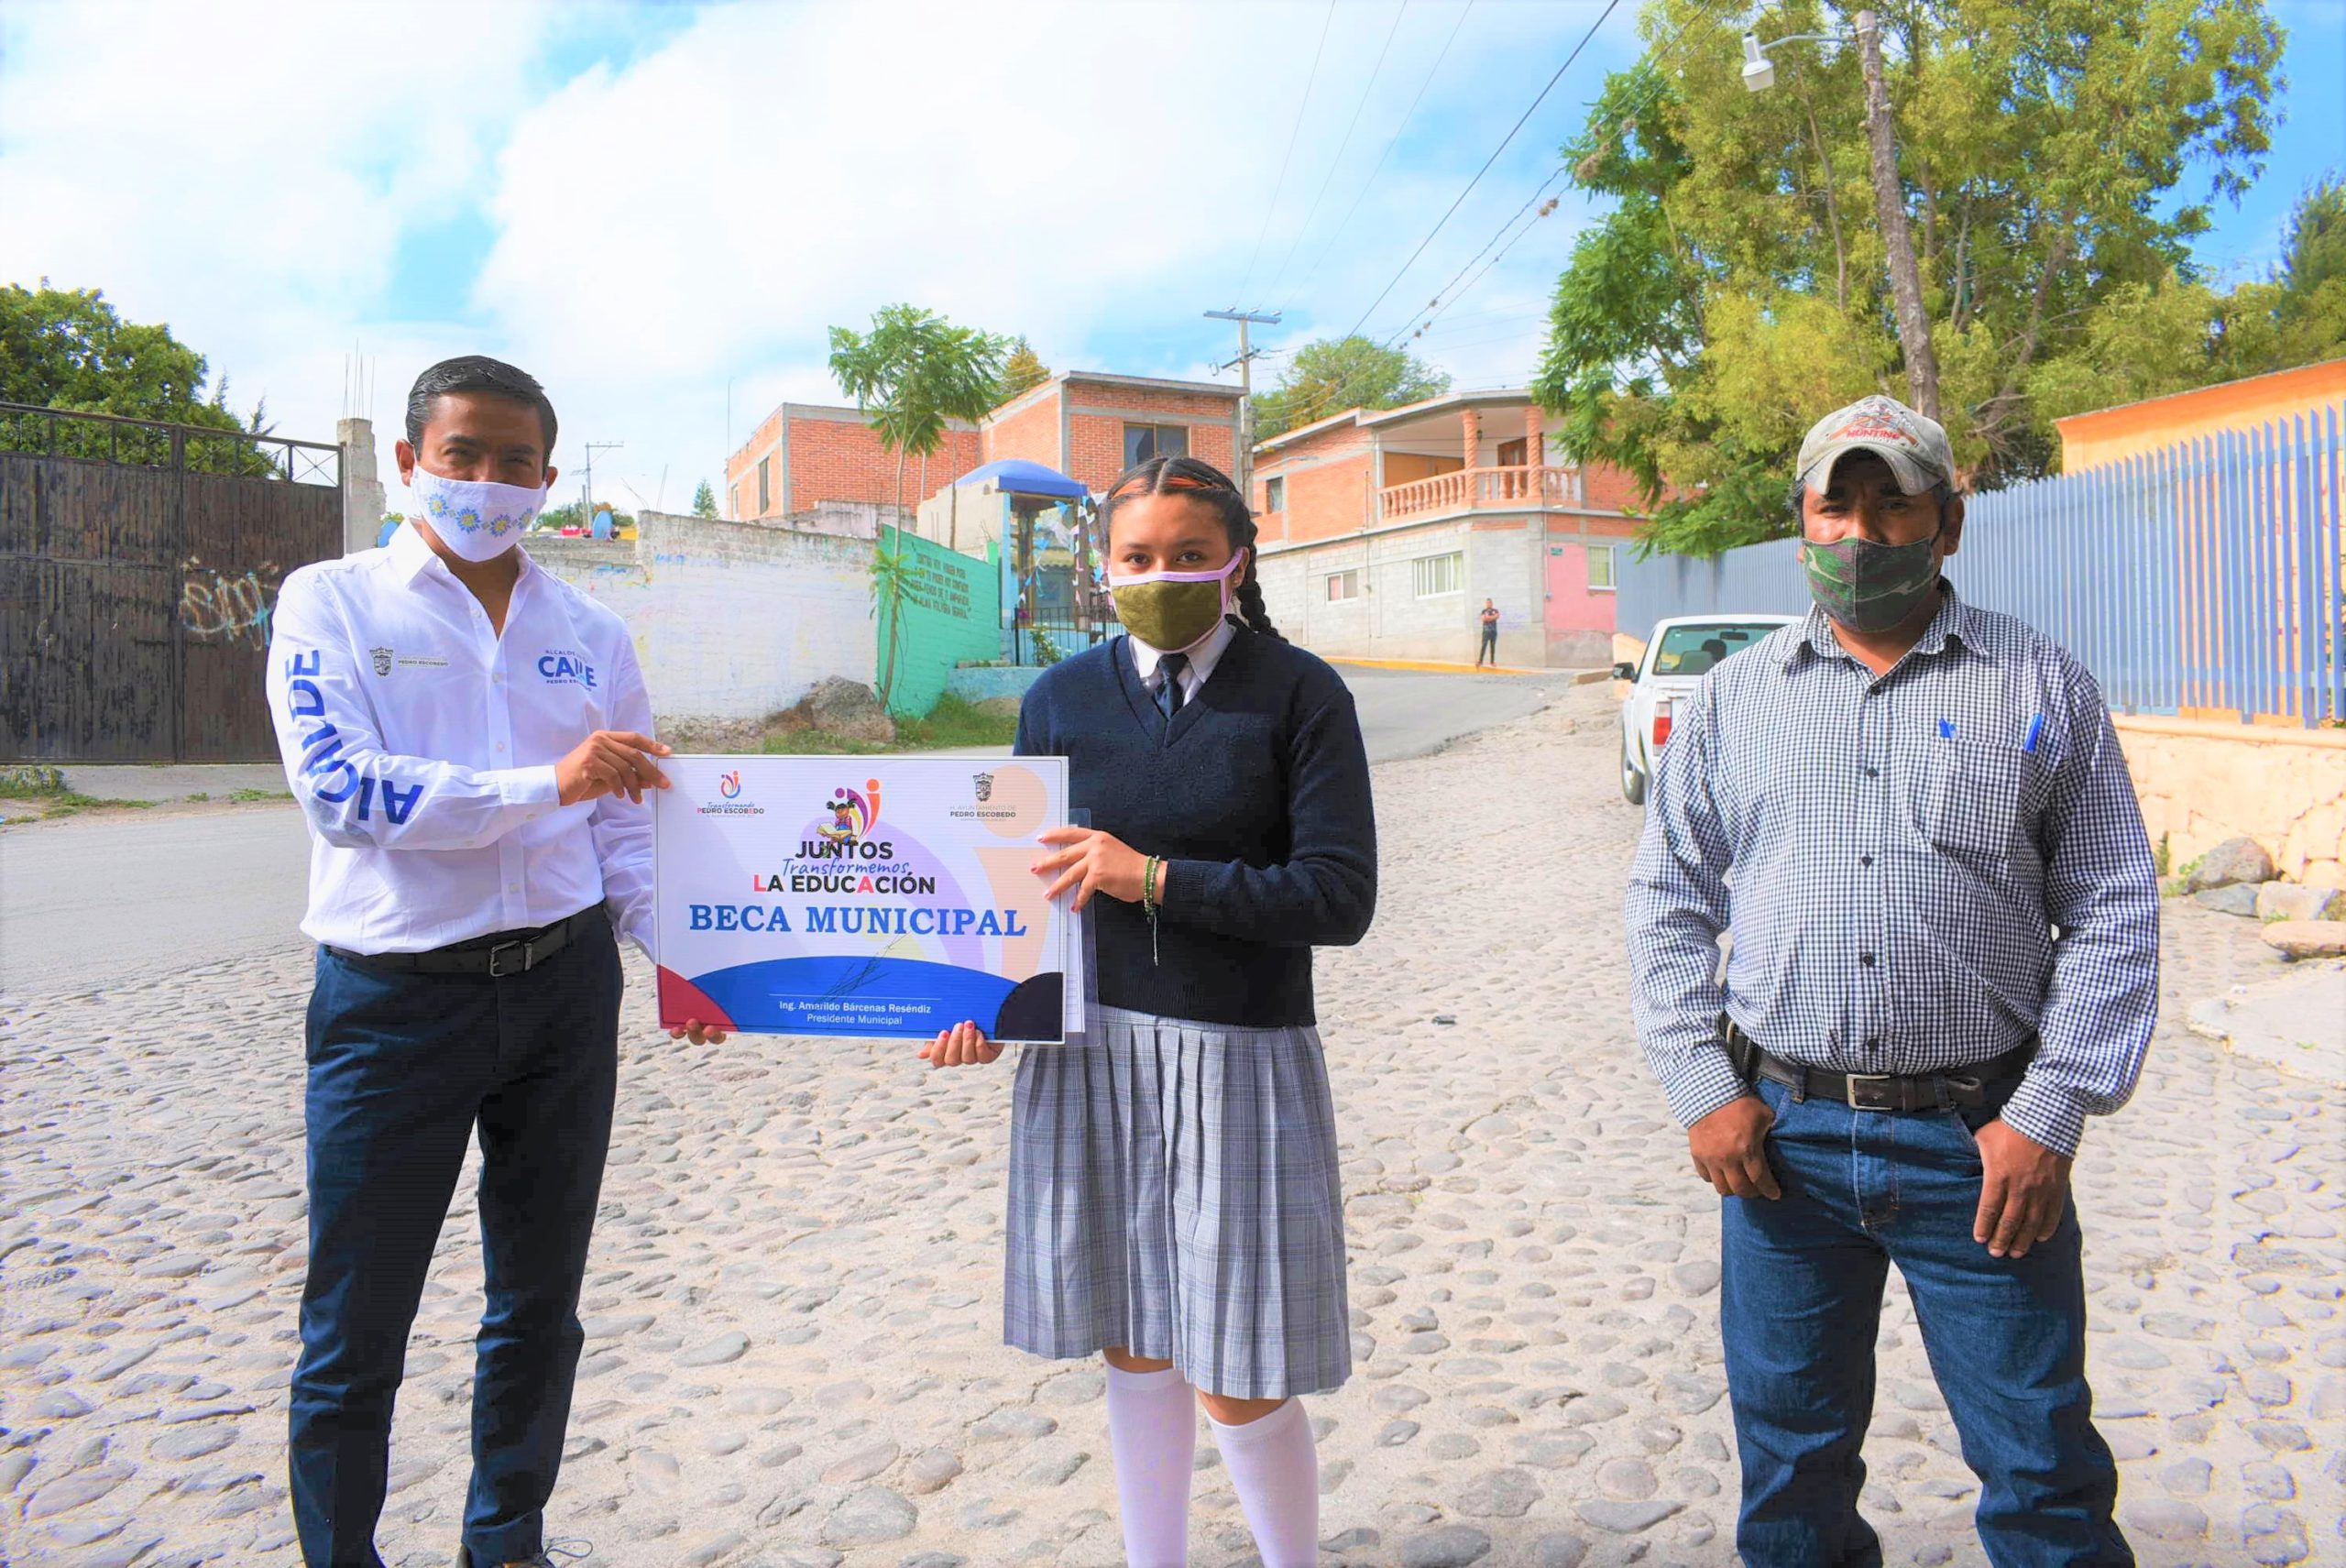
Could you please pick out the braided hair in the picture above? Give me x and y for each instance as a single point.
(1203, 482)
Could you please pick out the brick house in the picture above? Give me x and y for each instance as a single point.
(1087, 424)
(805, 454)
(1092, 426)
(1384, 532)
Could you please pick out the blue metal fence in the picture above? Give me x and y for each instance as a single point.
(2201, 579)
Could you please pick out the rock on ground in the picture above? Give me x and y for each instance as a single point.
(2293, 901)
(847, 709)
(2241, 860)
(2308, 939)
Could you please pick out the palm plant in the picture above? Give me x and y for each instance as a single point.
(913, 372)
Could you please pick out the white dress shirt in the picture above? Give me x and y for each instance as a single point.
(1149, 661)
(421, 745)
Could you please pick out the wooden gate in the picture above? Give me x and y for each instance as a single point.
(139, 564)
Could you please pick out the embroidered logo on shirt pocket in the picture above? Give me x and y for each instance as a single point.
(1969, 800)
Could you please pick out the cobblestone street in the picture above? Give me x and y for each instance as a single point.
(792, 1312)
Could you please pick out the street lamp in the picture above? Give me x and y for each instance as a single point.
(1889, 201)
(1759, 72)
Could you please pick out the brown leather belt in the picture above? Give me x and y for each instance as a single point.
(1961, 1088)
(498, 956)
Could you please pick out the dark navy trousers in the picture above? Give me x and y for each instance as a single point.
(403, 1068)
(1800, 1305)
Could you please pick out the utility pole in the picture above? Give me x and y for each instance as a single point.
(1246, 363)
(588, 506)
(1890, 203)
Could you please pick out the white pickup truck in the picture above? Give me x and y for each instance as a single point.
(1678, 654)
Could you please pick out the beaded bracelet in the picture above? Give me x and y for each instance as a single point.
(1148, 902)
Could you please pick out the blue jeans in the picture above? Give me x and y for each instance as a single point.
(403, 1068)
(1800, 1305)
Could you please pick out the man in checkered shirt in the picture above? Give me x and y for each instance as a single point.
(1943, 957)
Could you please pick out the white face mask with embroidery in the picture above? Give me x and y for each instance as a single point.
(478, 519)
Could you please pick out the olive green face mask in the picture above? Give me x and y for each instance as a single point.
(1174, 611)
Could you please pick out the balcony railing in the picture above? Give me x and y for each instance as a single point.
(1478, 490)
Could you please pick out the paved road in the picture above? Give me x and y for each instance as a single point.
(1409, 713)
(208, 885)
(794, 1313)
(92, 900)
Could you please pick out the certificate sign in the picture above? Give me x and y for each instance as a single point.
(858, 895)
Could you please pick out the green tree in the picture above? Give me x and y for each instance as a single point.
(69, 348)
(1737, 289)
(1336, 374)
(910, 374)
(704, 500)
(1021, 372)
(2151, 339)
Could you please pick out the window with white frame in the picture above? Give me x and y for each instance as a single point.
(1344, 585)
(1275, 494)
(1435, 575)
(1600, 568)
(765, 490)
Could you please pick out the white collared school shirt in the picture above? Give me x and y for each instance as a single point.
(420, 745)
(1149, 662)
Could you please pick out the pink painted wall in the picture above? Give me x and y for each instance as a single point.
(1579, 622)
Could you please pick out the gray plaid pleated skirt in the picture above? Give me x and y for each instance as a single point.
(1174, 1192)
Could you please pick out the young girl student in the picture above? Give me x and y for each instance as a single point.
(1173, 1201)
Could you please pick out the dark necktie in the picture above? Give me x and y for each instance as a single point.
(1169, 689)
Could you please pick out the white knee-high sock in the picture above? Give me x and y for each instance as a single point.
(1153, 1435)
(1275, 1468)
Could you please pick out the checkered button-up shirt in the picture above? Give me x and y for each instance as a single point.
(1919, 871)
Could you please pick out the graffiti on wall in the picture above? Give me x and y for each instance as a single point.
(226, 605)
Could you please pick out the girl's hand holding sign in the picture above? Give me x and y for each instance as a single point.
(964, 1045)
(1093, 862)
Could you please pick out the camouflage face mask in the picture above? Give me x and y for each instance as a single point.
(1867, 586)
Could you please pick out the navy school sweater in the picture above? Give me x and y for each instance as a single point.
(1257, 793)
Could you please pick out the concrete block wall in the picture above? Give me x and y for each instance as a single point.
(362, 486)
(731, 621)
(1295, 592)
(1505, 560)
(1409, 627)
(1505, 563)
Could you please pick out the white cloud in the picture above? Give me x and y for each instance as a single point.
(1092, 175)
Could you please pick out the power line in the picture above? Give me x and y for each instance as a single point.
(1360, 195)
(1443, 297)
(1610, 6)
(1337, 162)
(1279, 185)
(1321, 406)
(1450, 292)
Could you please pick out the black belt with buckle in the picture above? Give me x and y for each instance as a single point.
(1961, 1088)
(500, 955)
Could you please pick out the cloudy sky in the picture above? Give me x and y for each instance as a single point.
(659, 209)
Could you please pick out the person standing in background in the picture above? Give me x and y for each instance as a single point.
(1489, 650)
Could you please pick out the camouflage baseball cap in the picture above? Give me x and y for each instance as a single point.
(1915, 446)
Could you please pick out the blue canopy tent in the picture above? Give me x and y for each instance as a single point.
(1020, 477)
(1050, 578)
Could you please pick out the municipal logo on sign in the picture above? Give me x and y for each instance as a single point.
(383, 661)
(983, 783)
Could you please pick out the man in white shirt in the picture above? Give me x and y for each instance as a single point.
(470, 739)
